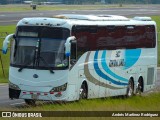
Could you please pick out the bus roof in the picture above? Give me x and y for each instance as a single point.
(76, 19)
(93, 17)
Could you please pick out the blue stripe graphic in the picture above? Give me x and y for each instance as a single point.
(105, 67)
(131, 57)
(104, 76)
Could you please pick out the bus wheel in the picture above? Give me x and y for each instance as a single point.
(30, 102)
(83, 91)
(130, 89)
(139, 89)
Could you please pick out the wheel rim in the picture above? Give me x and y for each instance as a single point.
(139, 88)
(83, 92)
(130, 89)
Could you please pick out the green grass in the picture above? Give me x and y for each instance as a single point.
(11, 29)
(5, 58)
(25, 8)
(8, 29)
(135, 103)
(149, 102)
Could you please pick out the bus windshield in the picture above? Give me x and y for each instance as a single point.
(40, 47)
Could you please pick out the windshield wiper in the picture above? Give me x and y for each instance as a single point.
(25, 66)
(43, 60)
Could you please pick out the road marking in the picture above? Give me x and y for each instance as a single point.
(17, 103)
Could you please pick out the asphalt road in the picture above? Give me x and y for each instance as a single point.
(7, 18)
(4, 98)
(18, 103)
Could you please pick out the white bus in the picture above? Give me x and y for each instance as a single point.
(71, 57)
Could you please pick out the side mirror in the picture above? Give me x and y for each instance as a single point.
(68, 45)
(6, 42)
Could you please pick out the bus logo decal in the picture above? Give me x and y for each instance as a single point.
(116, 63)
(104, 76)
(106, 68)
(118, 53)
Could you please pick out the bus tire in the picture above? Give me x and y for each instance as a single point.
(130, 88)
(139, 86)
(83, 91)
(30, 102)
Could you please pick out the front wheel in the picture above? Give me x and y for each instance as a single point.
(130, 89)
(83, 92)
(30, 102)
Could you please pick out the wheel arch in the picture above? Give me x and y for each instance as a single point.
(132, 79)
(86, 84)
(141, 81)
(130, 89)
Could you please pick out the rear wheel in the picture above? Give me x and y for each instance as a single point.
(83, 91)
(30, 102)
(139, 86)
(130, 89)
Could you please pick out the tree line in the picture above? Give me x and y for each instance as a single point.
(88, 1)
(115, 1)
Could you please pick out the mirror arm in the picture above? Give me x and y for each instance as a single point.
(6, 42)
(68, 45)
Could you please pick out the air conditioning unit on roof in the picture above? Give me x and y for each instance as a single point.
(143, 18)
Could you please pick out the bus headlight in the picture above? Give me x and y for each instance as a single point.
(13, 86)
(59, 88)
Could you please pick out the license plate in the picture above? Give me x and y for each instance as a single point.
(34, 96)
